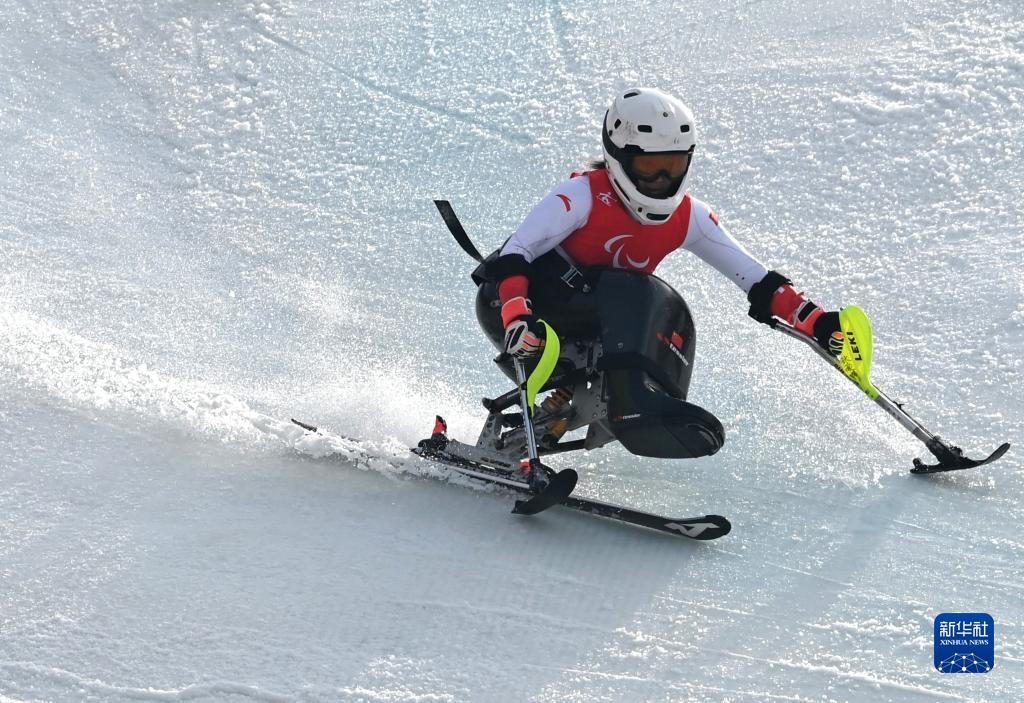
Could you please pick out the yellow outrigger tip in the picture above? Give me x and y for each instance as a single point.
(858, 348)
(545, 367)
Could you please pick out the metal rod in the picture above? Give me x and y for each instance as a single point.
(531, 438)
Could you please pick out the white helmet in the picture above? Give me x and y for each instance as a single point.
(642, 122)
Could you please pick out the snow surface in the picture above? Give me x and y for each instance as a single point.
(215, 216)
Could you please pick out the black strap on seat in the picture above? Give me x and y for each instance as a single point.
(555, 266)
(456, 228)
(507, 265)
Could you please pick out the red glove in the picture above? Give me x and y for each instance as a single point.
(808, 317)
(524, 335)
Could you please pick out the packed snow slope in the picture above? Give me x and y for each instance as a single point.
(215, 216)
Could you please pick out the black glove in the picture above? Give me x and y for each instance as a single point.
(828, 333)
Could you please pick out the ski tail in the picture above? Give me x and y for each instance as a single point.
(700, 528)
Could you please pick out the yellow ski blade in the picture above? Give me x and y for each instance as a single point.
(858, 348)
(545, 367)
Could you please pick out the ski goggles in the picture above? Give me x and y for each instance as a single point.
(647, 167)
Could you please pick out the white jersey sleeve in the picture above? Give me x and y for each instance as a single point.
(560, 213)
(711, 242)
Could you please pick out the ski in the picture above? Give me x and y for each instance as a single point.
(953, 459)
(705, 527)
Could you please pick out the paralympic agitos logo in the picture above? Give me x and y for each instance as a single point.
(616, 261)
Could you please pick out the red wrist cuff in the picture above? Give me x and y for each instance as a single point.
(796, 309)
(515, 308)
(786, 301)
(513, 287)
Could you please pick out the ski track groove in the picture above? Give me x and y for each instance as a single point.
(26, 204)
(424, 8)
(860, 677)
(505, 612)
(881, 632)
(558, 27)
(191, 692)
(508, 135)
(669, 686)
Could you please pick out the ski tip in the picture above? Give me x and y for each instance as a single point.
(562, 484)
(440, 426)
(998, 453)
(569, 477)
(556, 491)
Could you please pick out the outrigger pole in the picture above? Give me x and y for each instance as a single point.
(855, 364)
